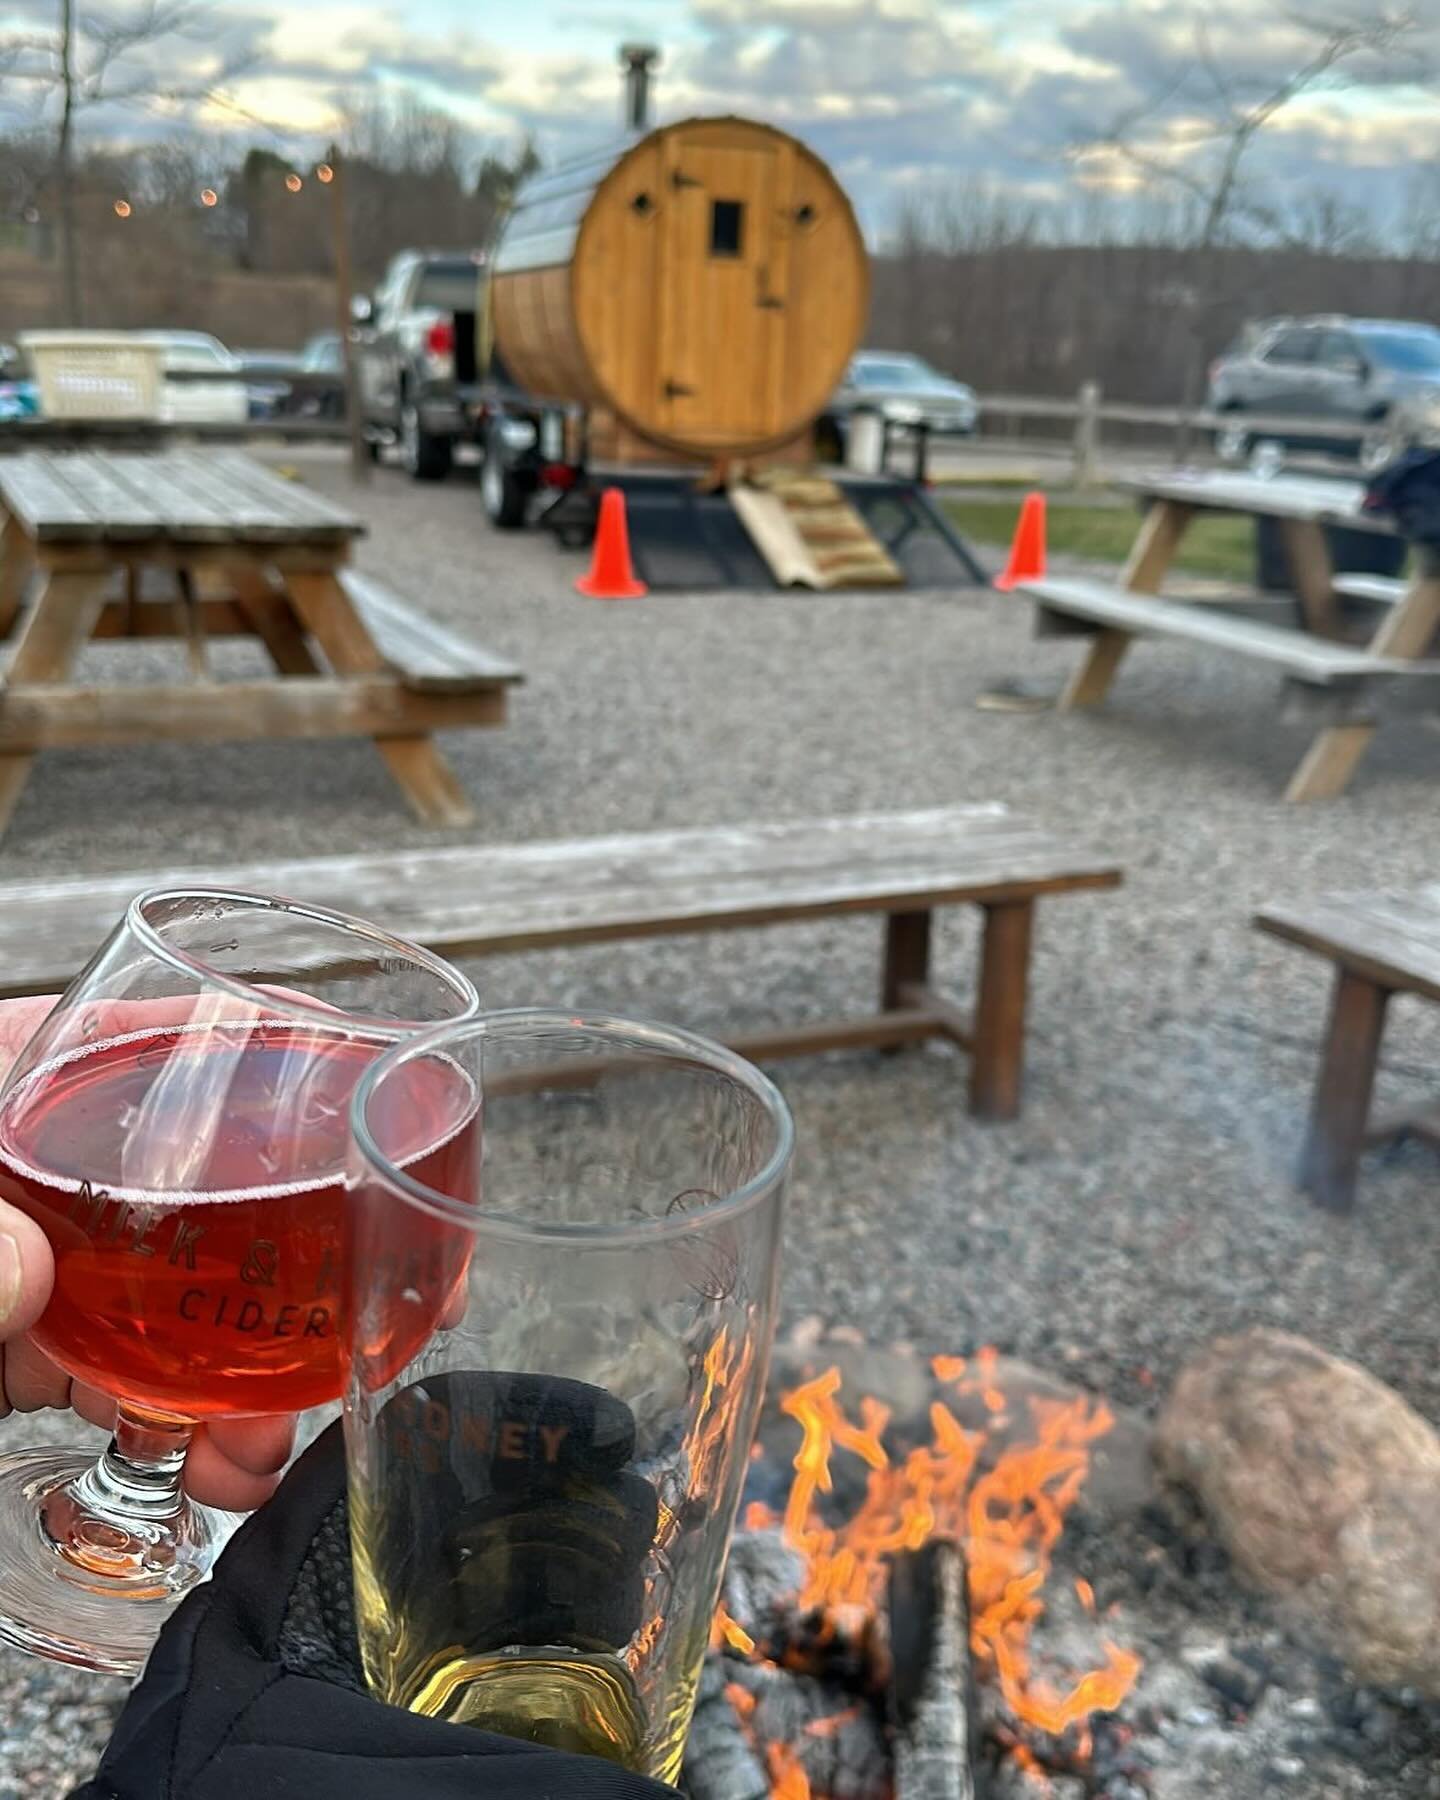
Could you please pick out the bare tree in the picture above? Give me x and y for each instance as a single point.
(1193, 137)
(87, 61)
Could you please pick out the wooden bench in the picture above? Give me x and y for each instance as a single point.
(428, 657)
(1344, 687)
(1375, 590)
(483, 899)
(1381, 944)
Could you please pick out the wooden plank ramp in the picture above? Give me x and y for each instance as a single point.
(810, 535)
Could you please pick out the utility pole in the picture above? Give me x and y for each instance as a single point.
(65, 166)
(344, 317)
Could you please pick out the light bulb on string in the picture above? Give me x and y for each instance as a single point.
(294, 182)
(324, 172)
(208, 197)
(123, 209)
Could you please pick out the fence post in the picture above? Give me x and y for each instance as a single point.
(1087, 436)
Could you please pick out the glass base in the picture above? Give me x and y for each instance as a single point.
(87, 1590)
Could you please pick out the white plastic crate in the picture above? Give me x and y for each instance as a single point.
(96, 374)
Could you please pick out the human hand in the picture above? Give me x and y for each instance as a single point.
(233, 1464)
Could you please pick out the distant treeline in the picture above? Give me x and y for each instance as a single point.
(1040, 319)
(1013, 300)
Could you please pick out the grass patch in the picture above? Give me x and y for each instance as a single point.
(1220, 546)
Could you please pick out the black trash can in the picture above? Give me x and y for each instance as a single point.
(1351, 552)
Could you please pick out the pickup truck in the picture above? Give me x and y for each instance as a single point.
(416, 355)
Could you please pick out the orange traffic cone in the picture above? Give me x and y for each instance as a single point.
(1027, 552)
(612, 576)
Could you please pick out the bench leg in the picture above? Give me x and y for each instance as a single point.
(15, 565)
(1090, 683)
(997, 1071)
(272, 619)
(427, 779)
(58, 627)
(1329, 763)
(907, 957)
(1330, 1161)
(1313, 574)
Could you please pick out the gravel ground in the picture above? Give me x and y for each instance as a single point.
(1143, 1202)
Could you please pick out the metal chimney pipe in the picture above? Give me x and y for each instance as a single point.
(637, 60)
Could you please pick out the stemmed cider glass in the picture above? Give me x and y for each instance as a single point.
(177, 1126)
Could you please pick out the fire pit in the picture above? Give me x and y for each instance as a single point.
(875, 1637)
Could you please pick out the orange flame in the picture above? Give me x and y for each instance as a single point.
(724, 1631)
(1010, 1519)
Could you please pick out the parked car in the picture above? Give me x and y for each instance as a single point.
(906, 392)
(267, 375)
(1379, 374)
(204, 382)
(416, 354)
(324, 354)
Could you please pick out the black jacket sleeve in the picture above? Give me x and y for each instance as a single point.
(253, 1691)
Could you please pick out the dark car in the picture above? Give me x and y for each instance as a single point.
(266, 374)
(1381, 376)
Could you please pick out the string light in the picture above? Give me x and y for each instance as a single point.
(323, 172)
(122, 209)
(208, 197)
(294, 183)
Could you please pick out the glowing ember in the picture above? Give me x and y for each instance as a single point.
(725, 1631)
(788, 1780)
(1010, 1518)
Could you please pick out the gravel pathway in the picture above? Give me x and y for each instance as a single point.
(1143, 1202)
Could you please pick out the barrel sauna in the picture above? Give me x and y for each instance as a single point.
(706, 285)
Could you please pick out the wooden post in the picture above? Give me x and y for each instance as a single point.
(344, 295)
(1340, 1112)
(907, 957)
(1145, 570)
(997, 1072)
(1087, 436)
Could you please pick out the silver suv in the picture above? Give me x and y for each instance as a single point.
(1381, 374)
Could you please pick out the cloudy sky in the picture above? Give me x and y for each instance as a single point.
(903, 96)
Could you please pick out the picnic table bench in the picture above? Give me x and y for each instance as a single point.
(236, 551)
(1381, 944)
(1346, 688)
(484, 899)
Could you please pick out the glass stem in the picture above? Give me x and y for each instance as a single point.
(136, 1482)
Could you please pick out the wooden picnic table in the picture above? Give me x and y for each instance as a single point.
(232, 548)
(1302, 506)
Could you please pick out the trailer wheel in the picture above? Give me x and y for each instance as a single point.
(503, 494)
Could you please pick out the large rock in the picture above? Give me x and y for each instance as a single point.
(1325, 1488)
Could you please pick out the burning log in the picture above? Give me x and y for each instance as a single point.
(931, 1689)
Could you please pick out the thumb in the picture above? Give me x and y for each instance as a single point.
(26, 1272)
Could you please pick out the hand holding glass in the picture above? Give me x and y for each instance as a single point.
(177, 1126)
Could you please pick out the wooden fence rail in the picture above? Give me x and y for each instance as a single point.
(1080, 424)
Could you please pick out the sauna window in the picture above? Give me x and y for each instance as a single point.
(727, 227)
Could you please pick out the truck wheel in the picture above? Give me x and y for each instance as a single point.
(503, 494)
(425, 456)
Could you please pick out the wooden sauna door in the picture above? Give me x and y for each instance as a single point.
(724, 272)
